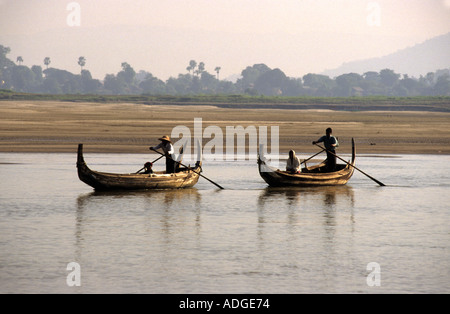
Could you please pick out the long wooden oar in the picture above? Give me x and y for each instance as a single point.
(180, 150)
(380, 183)
(152, 163)
(312, 157)
(197, 172)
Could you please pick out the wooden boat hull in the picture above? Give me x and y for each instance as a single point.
(103, 181)
(309, 176)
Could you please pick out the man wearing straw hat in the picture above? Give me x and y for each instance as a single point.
(167, 147)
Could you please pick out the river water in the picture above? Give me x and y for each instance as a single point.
(248, 238)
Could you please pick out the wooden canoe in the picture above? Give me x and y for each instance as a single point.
(102, 181)
(309, 176)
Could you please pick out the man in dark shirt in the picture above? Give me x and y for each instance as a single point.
(330, 143)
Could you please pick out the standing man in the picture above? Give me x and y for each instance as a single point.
(330, 144)
(167, 147)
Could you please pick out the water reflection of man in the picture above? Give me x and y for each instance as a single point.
(331, 143)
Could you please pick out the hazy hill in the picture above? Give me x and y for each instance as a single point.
(429, 56)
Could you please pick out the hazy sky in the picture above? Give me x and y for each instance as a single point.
(297, 36)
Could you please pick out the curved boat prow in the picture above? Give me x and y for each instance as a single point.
(353, 151)
(80, 159)
(199, 154)
(84, 173)
(261, 152)
(262, 165)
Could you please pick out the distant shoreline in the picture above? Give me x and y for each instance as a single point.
(362, 103)
(131, 127)
(331, 106)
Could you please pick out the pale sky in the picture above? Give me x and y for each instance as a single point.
(161, 37)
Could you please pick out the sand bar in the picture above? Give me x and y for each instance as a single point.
(52, 126)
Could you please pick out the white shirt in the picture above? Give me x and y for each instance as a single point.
(293, 165)
(167, 147)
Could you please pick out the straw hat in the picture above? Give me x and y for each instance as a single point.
(165, 138)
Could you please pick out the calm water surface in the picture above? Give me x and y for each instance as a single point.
(247, 238)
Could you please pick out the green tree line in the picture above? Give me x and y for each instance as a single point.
(258, 79)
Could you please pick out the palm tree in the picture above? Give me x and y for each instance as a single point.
(217, 69)
(191, 67)
(200, 68)
(20, 60)
(47, 61)
(81, 62)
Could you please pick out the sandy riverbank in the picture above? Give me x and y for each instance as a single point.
(43, 126)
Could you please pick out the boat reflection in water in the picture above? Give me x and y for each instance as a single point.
(329, 194)
(166, 197)
(308, 206)
(125, 219)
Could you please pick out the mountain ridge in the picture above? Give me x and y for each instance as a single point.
(420, 59)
